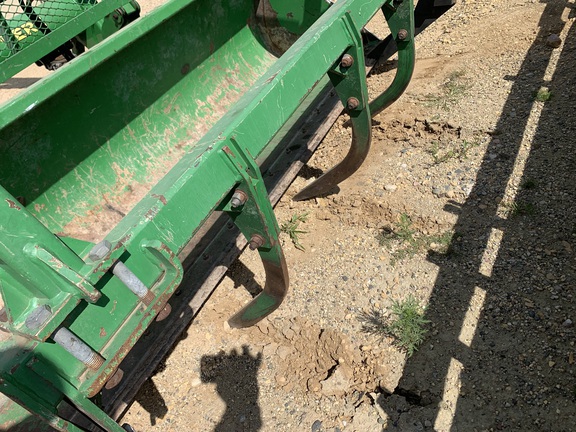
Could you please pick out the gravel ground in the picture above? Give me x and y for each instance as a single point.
(477, 174)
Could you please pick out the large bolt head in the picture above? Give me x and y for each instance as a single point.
(347, 61)
(352, 103)
(402, 34)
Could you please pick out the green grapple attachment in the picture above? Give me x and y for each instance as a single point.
(53, 32)
(112, 164)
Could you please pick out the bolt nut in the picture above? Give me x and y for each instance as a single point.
(347, 61)
(38, 317)
(100, 250)
(256, 241)
(402, 34)
(238, 199)
(352, 103)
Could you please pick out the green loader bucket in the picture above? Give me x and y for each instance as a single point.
(112, 164)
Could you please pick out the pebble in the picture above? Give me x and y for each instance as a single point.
(427, 423)
(391, 187)
(553, 41)
(316, 426)
(568, 323)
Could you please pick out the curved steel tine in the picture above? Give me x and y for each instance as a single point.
(359, 148)
(271, 298)
(404, 70)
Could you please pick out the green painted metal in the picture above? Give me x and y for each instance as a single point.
(298, 16)
(136, 143)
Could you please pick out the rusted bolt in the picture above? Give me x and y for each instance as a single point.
(114, 379)
(256, 241)
(238, 199)
(163, 314)
(352, 103)
(347, 61)
(402, 34)
(100, 250)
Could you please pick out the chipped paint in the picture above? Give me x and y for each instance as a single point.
(13, 205)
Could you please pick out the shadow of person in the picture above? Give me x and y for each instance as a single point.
(235, 376)
(152, 401)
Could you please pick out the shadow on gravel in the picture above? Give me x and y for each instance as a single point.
(235, 376)
(500, 352)
(152, 401)
(242, 276)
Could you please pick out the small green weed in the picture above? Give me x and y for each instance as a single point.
(519, 208)
(459, 150)
(411, 242)
(453, 89)
(402, 231)
(543, 95)
(291, 228)
(406, 324)
(443, 242)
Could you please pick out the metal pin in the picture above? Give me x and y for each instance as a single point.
(71, 343)
(133, 283)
